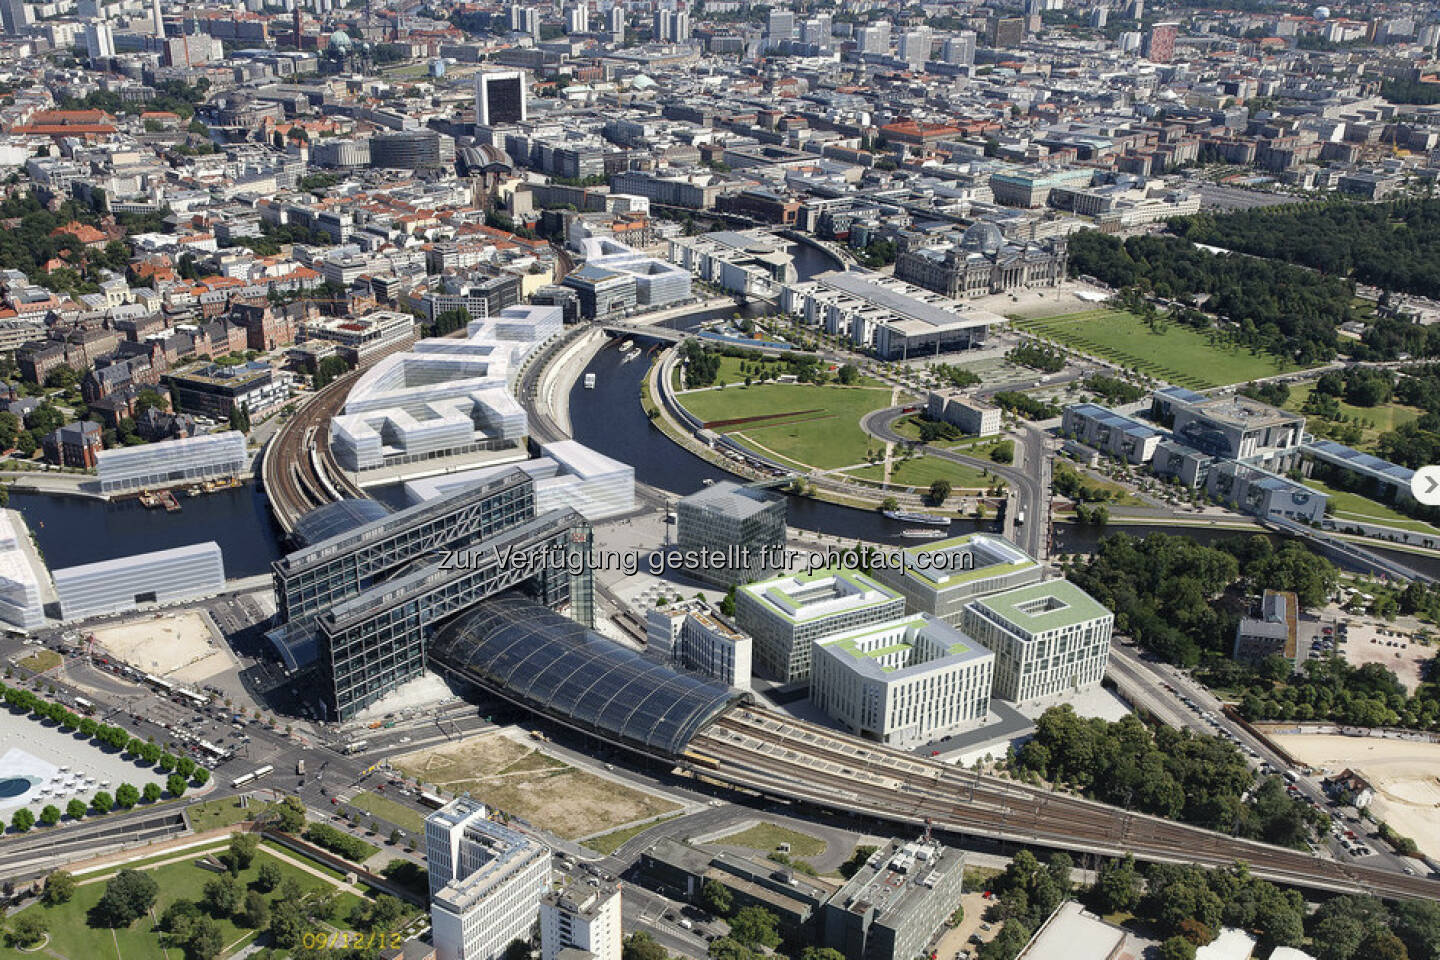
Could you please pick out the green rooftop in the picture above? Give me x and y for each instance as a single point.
(792, 609)
(953, 577)
(850, 642)
(1042, 607)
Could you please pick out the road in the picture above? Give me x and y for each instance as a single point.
(1028, 477)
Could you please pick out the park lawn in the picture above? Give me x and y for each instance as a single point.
(1345, 505)
(72, 938)
(923, 471)
(396, 813)
(1376, 420)
(223, 812)
(732, 375)
(41, 660)
(1179, 354)
(766, 837)
(608, 843)
(828, 439)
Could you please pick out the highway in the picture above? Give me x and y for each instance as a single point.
(781, 757)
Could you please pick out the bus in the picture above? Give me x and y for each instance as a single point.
(196, 699)
(212, 751)
(264, 771)
(431, 800)
(300, 767)
(355, 746)
(241, 780)
(84, 706)
(164, 686)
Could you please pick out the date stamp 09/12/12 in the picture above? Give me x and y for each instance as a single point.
(341, 940)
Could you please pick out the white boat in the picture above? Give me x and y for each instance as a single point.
(589, 381)
(929, 519)
(923, 533)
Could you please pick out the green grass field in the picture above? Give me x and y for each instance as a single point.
(610, 842)
(396, 813)
(41, 660)
(72, 938)
(222, 813)
(923, 471)
(1179, 354)
(1345, 505)
(765, 837)
(731, 373)
(828, 439)
(1376, 420)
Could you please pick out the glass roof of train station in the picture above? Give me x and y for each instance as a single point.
(561, 668)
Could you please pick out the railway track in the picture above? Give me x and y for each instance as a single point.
(782, 757)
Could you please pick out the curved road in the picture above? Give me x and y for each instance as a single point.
(1028, 479)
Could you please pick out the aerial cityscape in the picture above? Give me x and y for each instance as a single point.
(648, 479)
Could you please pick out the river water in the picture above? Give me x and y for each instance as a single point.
(74, 530)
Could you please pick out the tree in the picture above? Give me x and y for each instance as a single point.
(1384, 945)
(59, 888)
(254, 911)
(1007, 943)
(939, 491)
(1117, 888)
(821, 953)
(889, 503)
(268, 876)
(242, 851)
(1177, 948)
(179, 918)
(76, 809)
(23, 820)
(201, 776)
(206, 940)
(716, 898)
(848, 375)
(152, 792)
(290, 815)
(755, 926)
(26, 930)
(287, 923)
(641, 946)
(128, 895)
(175, 784)
(221, 895)
(126, 796)
(50, 815)
(102, 802)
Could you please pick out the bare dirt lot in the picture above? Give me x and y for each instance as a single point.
(1405, 774)
(1394, 650)
(181, 644)
(524, 782)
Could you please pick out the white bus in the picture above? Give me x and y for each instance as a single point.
(84, 706)
(355, 746)
(264, 771)
(241, 780)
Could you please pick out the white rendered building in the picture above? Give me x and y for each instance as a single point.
(787, 614)
(444, 397)
(567, 474)
(122, 584)
(189, 460)
(697, 641)
(486, 882)
(22, 575)
(903, 682)
(1048, 638)
(582, 914)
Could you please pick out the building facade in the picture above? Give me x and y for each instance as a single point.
(896, 902)
(185, 461)
(1048, 638)
(123, 584)
(738, 530)
(975, 417)
(581, 914)
(788, 614)
(941, 578)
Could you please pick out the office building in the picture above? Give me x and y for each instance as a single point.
(23, 578)
(780, 26)
(941, 578)
(603, 292)
(577, 19)
(15, 15)
(500, 97)
(874, 39)
(486, 882)
(1006, 32)
(1077, 934)
(1113, 434)
(897, 319)
(77, 444)
(581, 918)
(167, 463)
(748, 263)
(214, 390)
(690, 637)
(358, 339)
(904, 682)
(788, 614)
(1274, 633)
(896, 902)
(738, 529)
(99, 40)
(671, 26)
(975, 417)
(1160, 42)
(915, 46)
(409, 150)
(656, 282)
(1233, 427)
(1048, 638)
(615, 23)
(959, 49)
(681, 871)
(1260, 493)
(123, 584)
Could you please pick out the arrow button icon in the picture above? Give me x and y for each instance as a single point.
(1425, 485)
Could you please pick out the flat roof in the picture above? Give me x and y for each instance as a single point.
(733, 499)
(851, 590)
(1074, 933)
(959, 647)
(902, 305)
(1041, 607)
(1000, 557)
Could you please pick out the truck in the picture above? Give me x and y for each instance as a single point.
(300, 768)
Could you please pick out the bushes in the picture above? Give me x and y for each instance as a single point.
(338, 842)
(1026, 405)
